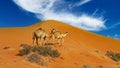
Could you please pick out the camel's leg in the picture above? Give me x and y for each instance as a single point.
(37, 41)
(44, 41)
(47, 40)
(50, 40)
(59, 41)
(33, 42)
(40, 40)
(62, 40)
(53, 39)
(33, 39)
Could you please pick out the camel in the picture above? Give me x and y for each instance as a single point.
(42, 35)
(60, 37)
(39, 34)
(51, 35)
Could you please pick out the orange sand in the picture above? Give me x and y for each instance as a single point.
(80, 47)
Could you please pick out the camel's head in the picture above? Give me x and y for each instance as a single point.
(40, 28)
(67, 33)
(53, 30)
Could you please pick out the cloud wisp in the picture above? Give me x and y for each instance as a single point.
(45, 10)
(82, 2)
(113, 26)
(115, 36)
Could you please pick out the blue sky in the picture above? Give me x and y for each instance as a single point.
(98, 16)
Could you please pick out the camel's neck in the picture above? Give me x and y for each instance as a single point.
(64, 35)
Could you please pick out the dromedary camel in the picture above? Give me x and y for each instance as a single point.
(39, 34)
(60, 37)
(42, 35)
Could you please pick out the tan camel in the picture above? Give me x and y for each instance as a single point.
(60, 37)
(51, 36)
(39, 34)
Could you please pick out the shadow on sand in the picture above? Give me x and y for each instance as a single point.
(50, 44)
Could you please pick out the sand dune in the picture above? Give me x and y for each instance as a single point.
(80, 47)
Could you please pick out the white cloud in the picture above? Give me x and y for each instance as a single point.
(44, 9)
(35, 6)
(95, 12)
(82, 2)
(79, 3)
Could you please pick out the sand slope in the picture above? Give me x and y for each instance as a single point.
(80, 47)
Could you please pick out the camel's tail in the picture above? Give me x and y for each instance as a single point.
(33, 38)
(33, 35)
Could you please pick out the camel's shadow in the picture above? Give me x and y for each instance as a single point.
(50, 44)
